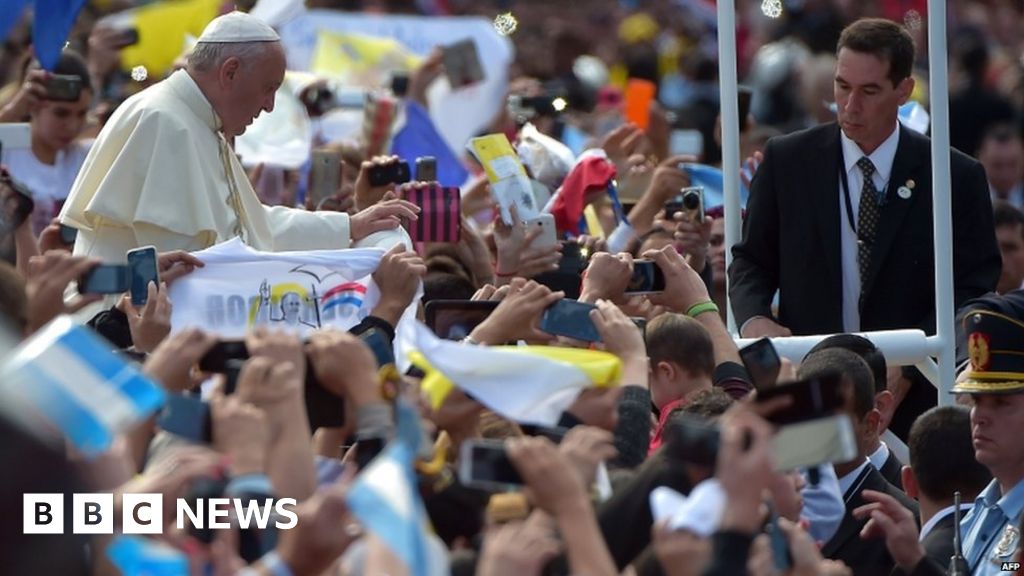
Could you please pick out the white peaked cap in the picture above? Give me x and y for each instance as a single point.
(236, 27)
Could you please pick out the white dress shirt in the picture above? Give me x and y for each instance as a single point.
(882, 158)
(878, 457)
(846, 481)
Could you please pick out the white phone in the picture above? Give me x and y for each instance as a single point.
(548, 233)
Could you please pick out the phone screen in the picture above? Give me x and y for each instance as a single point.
(647, 278)
(143, 266)
(572, 319)
(105, 279)
(68, 234)
(762, 363)
(485, 464)
(456, 319)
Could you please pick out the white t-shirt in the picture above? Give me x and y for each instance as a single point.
(49, 184)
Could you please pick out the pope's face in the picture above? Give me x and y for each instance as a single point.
(251, 89)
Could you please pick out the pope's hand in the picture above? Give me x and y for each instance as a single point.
(386, 215)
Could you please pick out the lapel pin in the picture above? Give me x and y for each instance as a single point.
(905, 190)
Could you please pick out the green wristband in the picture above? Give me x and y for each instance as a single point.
(701, 308)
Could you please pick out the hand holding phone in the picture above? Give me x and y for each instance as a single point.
(484, 464)
(440, 219)
(689, 201)
(143, 266)
(105, 279)
(548, 234)
(570, 318)
(762, 363)
(324, 174)
(647, 278)
(396, 172)
(456, 319)
(63, 87)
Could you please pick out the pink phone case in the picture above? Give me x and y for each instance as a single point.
(439, 218)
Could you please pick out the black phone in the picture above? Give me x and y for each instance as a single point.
(187, 417)
(572, 319)
(811, 399)
(400, 84)
(745, 94)
(456, 319)
(17, 202)
(105, 279)
(127, 37)
(143, 265)
(426, 169)
(647, 278)
(63, 87)
(762, 363)
(68, 234)
(781, 555)
(485, 464)
(233, 367)
(394, 173)
(215, 361)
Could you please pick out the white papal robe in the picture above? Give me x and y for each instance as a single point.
(158, 175)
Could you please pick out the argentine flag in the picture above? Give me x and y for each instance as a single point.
(386, 501)
(71, 377)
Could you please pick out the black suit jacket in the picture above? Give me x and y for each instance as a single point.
(892, 470)
(791, 238)
(864, 557)
(938, 544)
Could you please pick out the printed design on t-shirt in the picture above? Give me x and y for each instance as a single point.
(309, 295)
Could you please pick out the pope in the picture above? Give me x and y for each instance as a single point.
(162, 171)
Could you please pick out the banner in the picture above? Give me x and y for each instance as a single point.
(241, 288)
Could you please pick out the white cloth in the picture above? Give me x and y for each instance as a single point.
(49, 184)
(158, 174)
(878, 457)
(882, 158)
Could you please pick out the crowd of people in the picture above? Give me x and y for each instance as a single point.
(673, 461)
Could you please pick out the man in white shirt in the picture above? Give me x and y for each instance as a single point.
(162, 171)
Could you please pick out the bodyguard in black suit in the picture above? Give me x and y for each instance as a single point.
(808, 201)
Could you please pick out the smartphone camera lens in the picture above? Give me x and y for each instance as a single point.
(691, 200)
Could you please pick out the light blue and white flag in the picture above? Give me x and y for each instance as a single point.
(386, 500)
(712, 181)
(71, 377)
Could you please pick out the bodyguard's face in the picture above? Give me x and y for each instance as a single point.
(867, 101)
(250, 87)
(996, 424)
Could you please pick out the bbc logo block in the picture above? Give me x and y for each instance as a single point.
(92, 514)
(43, 514)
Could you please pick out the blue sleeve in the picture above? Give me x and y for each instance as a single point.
(823, 504)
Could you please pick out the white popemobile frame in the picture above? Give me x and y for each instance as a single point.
(901, 347)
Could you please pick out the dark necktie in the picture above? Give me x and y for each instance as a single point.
(867, 218)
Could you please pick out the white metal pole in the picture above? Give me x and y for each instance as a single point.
(730, 132)
(942, 226)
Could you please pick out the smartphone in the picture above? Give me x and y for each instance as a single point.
(426, 169)
(647, 278)
(568, 276)
(17, 202)
(484, 464)
(572, 319)
(128, 37)
(689, 201)
(324, 175)
(215, 361)
(440, 218)
(324, 408)
(143, 266)
(745, 95)
(779, 544)
(548, 232)
(456, 319)
(639, 95)
(187, 417)
(400, 84)
(105, 279)
(394, 173)
(686, 142)
(462, 64)
(63, 87)
(68, 234)
(813, 398)
(232, 368)
(383, 350)
(762, 363)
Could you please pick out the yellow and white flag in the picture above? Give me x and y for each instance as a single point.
(527, 384)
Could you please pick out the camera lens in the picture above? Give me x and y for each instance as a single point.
(691, 200)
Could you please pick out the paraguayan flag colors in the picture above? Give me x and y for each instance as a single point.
(73, 379)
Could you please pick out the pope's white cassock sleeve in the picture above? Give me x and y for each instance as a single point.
(156, 176)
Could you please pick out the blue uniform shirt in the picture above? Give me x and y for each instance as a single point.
(991, 530)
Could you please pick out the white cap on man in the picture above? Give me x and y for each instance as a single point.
(236, 27)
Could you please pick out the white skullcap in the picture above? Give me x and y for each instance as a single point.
(238, 27)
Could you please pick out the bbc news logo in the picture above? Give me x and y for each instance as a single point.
(143, 513)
